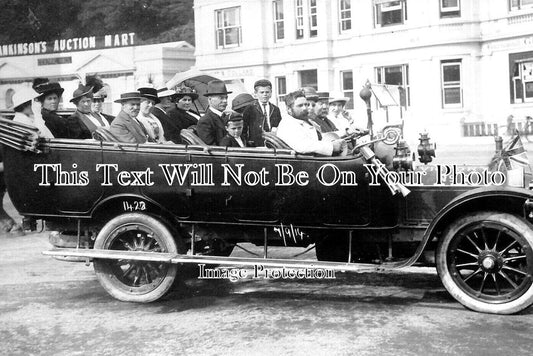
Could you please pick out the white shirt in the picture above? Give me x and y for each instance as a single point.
(104, 120)
(153, 127)
(302, 137)
(239, 141)
(38, 122)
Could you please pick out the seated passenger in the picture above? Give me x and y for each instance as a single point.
(22, 102)
(125, 126)
(241, 102)
(160, 110)
(212, 126)
(50, 93)
(296, 130)
(181, 113)
(150, 122)
(83, 122)
(234, 126)
(96, 107)
(338, 115)
(321, 114)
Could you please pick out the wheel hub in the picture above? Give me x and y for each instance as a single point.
(490, 261)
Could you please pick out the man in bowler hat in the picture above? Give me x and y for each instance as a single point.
(260, 116)
(211, 127)
(125, 126)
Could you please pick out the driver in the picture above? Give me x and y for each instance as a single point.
(296, 130)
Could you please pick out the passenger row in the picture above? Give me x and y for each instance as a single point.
(151, 115)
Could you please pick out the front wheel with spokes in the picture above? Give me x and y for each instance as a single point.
(135, 281)
(485, 261)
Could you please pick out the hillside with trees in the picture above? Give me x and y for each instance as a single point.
(44, 20)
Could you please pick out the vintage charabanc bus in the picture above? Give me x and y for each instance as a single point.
(140, 211)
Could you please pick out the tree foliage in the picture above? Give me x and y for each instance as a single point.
(44, 20)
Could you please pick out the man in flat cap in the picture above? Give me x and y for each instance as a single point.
(260, 116)
(125, 126)
(211, 127)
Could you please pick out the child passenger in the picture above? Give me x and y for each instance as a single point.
(234, 126)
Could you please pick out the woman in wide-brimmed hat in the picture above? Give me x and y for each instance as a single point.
(182, 114)
(22, 105)
(49, 96)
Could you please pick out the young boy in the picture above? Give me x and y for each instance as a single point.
(260, 116)
(234, 126)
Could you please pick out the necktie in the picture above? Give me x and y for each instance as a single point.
(266, 126)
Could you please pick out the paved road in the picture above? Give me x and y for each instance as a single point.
(49, 307)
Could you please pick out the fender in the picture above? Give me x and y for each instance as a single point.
(117, 204)
(503, 199)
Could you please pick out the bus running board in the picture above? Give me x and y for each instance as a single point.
(197, 259)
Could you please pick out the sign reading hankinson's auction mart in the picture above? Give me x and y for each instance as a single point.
(68, 45)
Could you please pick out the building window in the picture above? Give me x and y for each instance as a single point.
(520, 4)
(397, 76)
(389, 13)
(308, 78)
(281, 87)
(228, 22)
(279, 25)
(313, 21)
(452, 93)
(521, 68)
(306, 17)
(347, 87)
(345, 15)
(450, 8)
(9, 98)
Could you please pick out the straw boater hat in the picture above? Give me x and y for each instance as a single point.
(82, 91)
(336, 97)
(149, 93)
(216, 87)
(23, 96)
(186, 91)
(165, 92)
(241, 101)
(310, 93)
(47, 88)
(134, 95)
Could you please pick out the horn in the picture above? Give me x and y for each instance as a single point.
(395, 188)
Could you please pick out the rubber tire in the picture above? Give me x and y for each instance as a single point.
(104, 273)
(513, 222)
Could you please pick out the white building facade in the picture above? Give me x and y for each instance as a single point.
(122, 64)
(456, 61)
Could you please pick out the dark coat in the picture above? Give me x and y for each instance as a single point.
(57, 125)
(180, 119)
(230, 141)
(80, 126)
(172, 131)
(324, 124)
(127, 129)
(211, 128)
(253, 122)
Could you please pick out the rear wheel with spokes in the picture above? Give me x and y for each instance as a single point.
(485, 261)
